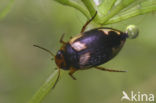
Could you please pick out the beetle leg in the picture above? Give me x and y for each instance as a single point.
(109, 70)
(61, 39)
(72, 70)
(85, 25)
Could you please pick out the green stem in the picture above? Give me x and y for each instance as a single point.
(81, 9)
(45, 88)
(137, 10)
(76, 6)
(116, 10)
(90, 6)
(106, 6)
(6, 9)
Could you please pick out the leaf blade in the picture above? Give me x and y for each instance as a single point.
(76, 6)
(117, 9)
(143, 8)
(45, 88)
(105, 6)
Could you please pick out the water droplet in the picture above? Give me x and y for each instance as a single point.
(132, 31)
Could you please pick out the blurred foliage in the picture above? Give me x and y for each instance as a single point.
(24, 68)
(112, 11)
(6, 9)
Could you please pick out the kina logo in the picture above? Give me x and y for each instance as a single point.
(137, 96)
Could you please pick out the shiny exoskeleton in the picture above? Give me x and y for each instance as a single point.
(90, 49)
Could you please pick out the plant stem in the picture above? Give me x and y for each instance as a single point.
(137, 10)
(6, 9)
(116, 10)
(90, 6)
(45, 88)
(76, 6)
(81, 9)
(106, 6)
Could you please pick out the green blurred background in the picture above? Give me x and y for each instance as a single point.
(24, 68)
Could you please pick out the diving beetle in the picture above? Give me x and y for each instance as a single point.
(91, 48)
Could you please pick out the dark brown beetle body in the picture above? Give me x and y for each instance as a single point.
(97, 46)
(91, 48)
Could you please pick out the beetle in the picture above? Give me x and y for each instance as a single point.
(89, 49)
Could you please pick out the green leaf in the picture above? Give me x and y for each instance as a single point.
(75, 5)
(140, 9)
(117, 9)
(106, 6)
(6, 10)
(45, 88)
(111, 11)
(90, 5)
(64, 2)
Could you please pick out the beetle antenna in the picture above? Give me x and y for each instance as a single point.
(57, 78)
(45, 50)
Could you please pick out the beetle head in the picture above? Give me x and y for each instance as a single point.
(60, 60)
